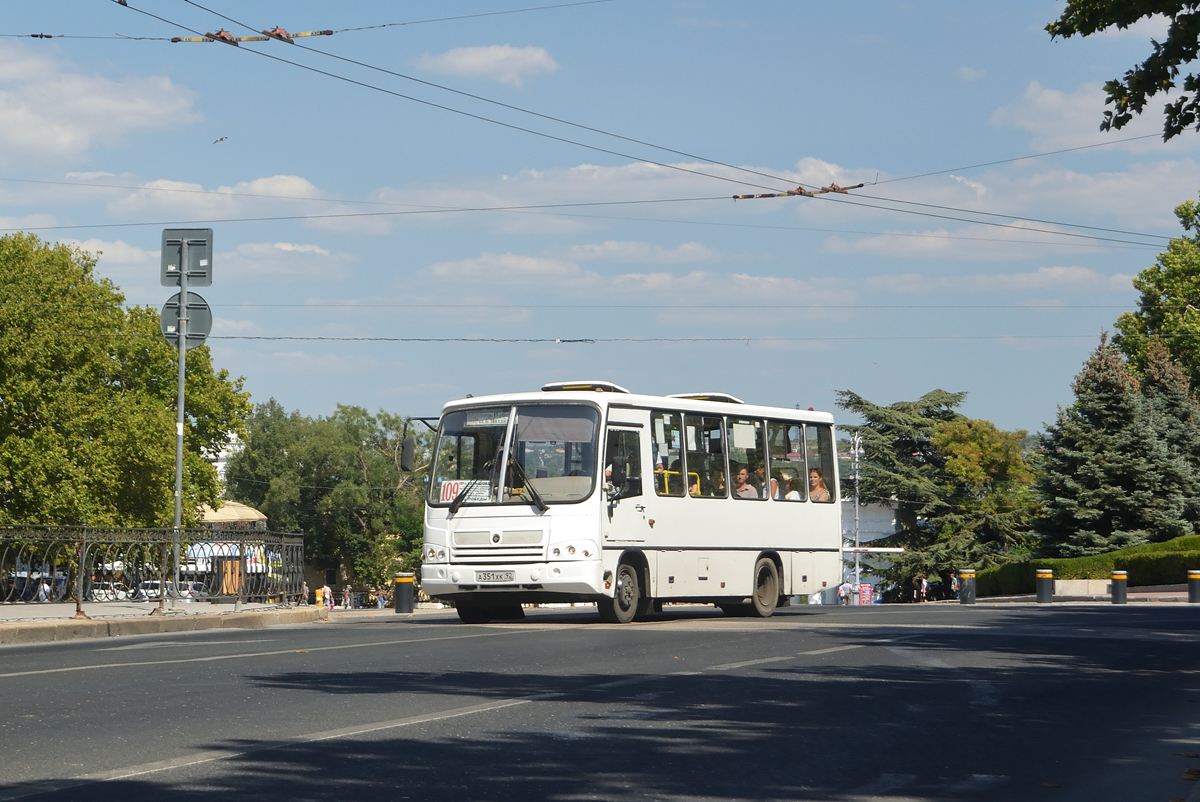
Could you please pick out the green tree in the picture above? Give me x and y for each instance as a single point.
(1158, 73)
(1106, 477)
(87, 400)
(959, 487)
(338, 480)
(1169, 306)
(989, 485)
(1176, 418)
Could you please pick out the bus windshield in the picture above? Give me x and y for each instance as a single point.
(551, 455)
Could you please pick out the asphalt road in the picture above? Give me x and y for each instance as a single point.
(894, 703)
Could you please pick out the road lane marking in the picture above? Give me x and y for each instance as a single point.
(247, 655)
(38, 788)
(833, 649)
(163, 645)
(744, 663)
(763, 660)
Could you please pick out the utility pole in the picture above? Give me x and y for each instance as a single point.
(856, 444)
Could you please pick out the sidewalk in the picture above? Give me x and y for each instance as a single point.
(29, 622)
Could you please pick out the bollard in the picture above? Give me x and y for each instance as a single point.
(1120, 583)
(1045, 585)
(966, 586)
(1193, 587)
(404, 593)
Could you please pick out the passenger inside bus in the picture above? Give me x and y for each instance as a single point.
(788, 490)
(817, 490)
(742, 487)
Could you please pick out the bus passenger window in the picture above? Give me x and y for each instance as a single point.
(626, 444)
(821, 484)
(705, 456)
(666, 439)
(786, 446)
(747, 452)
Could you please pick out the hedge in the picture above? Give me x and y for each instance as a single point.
(1164, 563)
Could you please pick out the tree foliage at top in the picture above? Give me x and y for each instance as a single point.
(1107, 477)
(1169, 306)
(337, 480)
(87, 400)
(958, 487)
(1158, 73)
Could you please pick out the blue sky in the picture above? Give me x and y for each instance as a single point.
(104, 142)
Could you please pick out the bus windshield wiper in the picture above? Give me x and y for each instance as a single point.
(488, 466)
(538, 501)
(462, 495)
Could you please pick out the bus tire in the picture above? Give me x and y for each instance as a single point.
(623, 606)
(473, 613)
(766, 587)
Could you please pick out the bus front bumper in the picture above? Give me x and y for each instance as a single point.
(580, 580)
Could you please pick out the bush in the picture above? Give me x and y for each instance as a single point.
(1164, 563)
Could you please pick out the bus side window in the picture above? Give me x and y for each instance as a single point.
(821, 486)
(747, 451)
(627, 444)
(705, 462)
(786, 446)
(667, 443)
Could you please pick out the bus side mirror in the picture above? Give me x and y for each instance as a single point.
(406, 453)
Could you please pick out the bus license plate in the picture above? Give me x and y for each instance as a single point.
(495, 576)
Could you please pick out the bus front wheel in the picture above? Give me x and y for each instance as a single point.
(623, 606)
(473, 613)
(766, 587)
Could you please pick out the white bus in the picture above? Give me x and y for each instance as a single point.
(585, 492)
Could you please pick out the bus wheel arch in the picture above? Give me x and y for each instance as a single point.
(630, 584)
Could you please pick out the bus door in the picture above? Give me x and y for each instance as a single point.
(625, 519)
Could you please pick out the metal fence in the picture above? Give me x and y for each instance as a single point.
(84, 564)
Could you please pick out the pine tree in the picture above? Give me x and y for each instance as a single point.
(1107, 479)
(1176, 416)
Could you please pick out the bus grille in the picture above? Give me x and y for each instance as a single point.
(499, 554)
(514, 546)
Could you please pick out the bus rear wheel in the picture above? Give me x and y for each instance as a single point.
(766, 587)
(623, 606)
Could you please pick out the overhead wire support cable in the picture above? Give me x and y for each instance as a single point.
(510, 106)
(444, 107)
(472, 16)
(551, 136)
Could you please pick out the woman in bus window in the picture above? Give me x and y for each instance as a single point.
(743, 488)
(718, 483)
(789, 490)
(817, 490)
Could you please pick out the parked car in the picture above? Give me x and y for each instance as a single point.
(109, 591)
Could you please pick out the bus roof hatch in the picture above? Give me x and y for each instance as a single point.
(598, 386)
(724, 398)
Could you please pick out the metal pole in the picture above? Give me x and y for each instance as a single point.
(181, 331)
(856, 444)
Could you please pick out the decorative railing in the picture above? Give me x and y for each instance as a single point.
(165, 566)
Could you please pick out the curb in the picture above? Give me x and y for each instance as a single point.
(70, 629)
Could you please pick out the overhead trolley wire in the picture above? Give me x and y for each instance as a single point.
(451, 109)
(219, 194)
(472, 16)
(714, 162)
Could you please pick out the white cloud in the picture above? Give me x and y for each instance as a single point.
(502, 63)
(1060, 119)
(193, 200)
(970, 74)
(508, 268)
(614, 251)
(286, 260)
(1060, 277)
(50, 110)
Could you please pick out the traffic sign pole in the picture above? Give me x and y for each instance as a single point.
(179, 408)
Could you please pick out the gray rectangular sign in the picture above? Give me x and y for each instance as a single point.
(199, 266)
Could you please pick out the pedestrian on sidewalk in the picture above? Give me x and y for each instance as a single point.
(304, 593)
(924, 588)
(381, 598)
(43, 592)
(347, 598)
